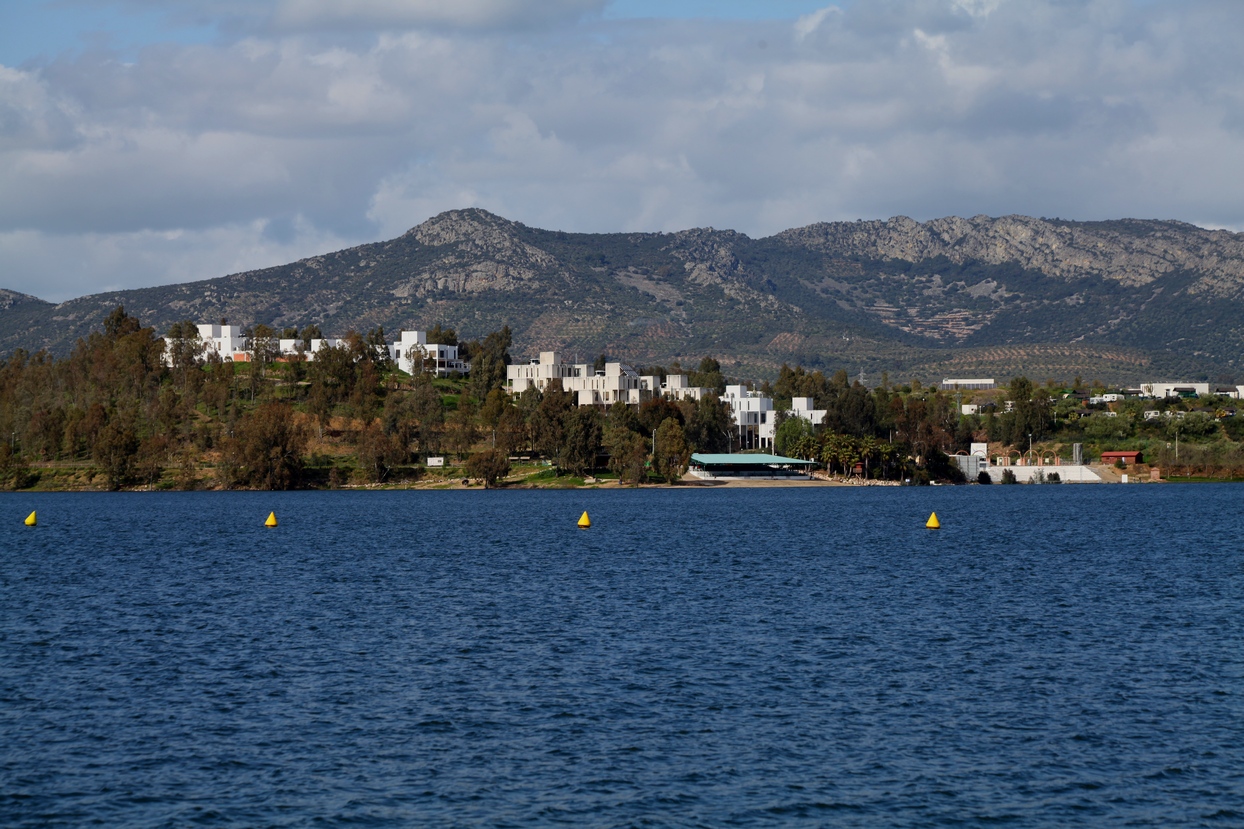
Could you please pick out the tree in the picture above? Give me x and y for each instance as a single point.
(581, 442)
(309, 333)
(654, 412)
(1031, 415)
(332, 375)
(378, 452)
(791, 432)
(1192, 425)
(490, 466)
(428, 412)
(114, 450)
(710, 425)
(511, 431)
(119, 324)
(548, 421)
(442, 336)
(488, 362)
(628, 454)
(14, 471)
(185, 350)
(379, 349)
(708, 375)
(462, 432)
(266, 450)
(672, 454)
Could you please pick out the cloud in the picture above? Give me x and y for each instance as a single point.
(1072, 108)
(302, 16)
(56, 267)
(299, 15)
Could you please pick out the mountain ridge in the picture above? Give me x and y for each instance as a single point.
(1118, 298)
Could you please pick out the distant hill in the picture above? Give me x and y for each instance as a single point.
(1117, 300)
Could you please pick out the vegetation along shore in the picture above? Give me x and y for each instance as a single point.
(130, 409)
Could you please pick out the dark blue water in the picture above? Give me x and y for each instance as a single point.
(1053, 656)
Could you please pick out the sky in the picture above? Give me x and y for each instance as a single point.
(144, 142)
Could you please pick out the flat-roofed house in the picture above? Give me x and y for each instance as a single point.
(226, 341)
(803, 407)
(414, 354)
(970, 383)
(753, 417)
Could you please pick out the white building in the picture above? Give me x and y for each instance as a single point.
(321, 343)
(969, 383)
(537, 373)
(753, 417)
(413, 353)
(226, 341)
(292, 347)
(802, 407)
(1164, 390)
(616, 383)
(677, 387)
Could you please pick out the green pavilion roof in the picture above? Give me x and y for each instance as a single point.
(747, 459)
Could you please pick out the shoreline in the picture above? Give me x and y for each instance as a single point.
(515, 486)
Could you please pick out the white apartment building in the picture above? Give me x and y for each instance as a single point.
(537, 373)
(802, 407)
(413, 351)
(677, 387)
(616, 383)
(753, 417)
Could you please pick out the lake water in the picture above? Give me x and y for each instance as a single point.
(1052, 656)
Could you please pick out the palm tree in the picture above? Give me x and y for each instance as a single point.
(868, 451)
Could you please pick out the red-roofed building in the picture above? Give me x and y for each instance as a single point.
(1128, 458)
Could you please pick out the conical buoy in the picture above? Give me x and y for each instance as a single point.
(271, 522)
(31, 520)
(584, 521)
(933, 523)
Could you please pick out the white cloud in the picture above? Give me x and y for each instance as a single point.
(301, 15)
(809, 23)
(281, 145)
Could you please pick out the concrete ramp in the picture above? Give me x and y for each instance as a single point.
(1070, 473)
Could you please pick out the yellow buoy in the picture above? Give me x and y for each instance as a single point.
(933, 523)
(584, 521)
(31, 520)
(271, 522)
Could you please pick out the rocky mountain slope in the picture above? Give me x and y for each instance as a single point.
(1118, 300)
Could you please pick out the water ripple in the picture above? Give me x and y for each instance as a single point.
(1052, 656)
